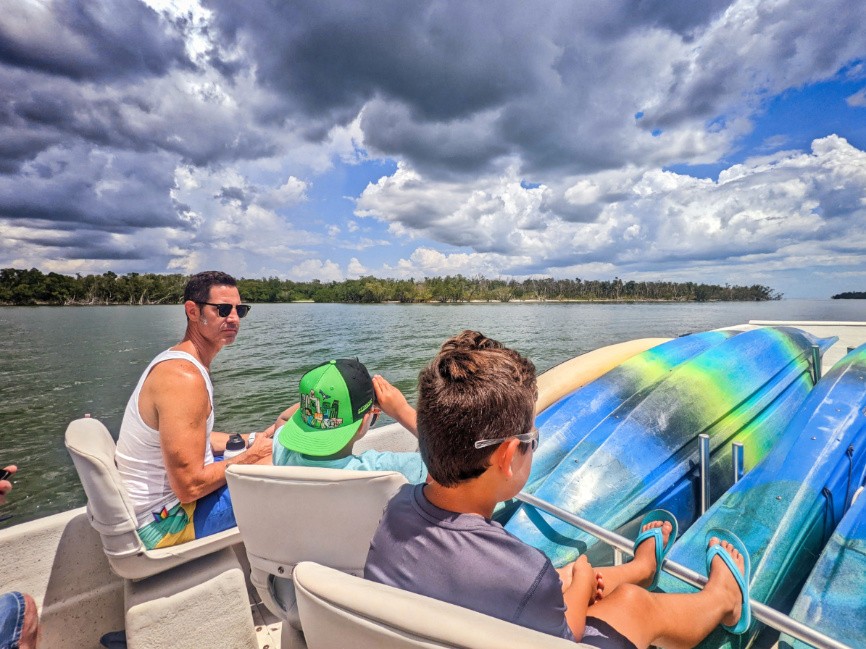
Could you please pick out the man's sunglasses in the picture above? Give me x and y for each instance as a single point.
(531, 437)
(224, 310)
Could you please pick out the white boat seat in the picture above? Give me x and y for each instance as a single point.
(291, 514)
(112, 515)
(339, 610)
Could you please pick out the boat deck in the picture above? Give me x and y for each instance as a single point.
(59, 559)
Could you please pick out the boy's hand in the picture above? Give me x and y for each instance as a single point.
(394, 404)
(599, 587)
(584, 579)
(5, 485)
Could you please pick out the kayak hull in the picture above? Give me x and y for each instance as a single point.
(787, 507)
(646, 451)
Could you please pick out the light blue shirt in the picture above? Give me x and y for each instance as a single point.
(409, 464)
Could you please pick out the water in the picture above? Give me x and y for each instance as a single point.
(58, 363)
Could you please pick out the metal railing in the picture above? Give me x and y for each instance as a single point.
(622, 546)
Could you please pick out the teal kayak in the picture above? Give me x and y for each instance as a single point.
(832, 601)
(787, 507)
(564, 424)
(644, 454)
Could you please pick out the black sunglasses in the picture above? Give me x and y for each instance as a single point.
(224, 310)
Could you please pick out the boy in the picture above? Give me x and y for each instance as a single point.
(475, 424)
(339, 403)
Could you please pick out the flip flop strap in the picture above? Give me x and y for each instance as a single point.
(718, 550)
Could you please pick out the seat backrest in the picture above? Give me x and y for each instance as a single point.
(339, 610)
(291, 514)
(110, 511)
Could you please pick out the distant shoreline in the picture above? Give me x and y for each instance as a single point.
(528, 301)
(33, 287)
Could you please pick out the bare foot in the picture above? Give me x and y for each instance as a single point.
(645, 555)
(722, 578)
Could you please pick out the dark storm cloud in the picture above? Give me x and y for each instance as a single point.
(90, 244)
(443, 59)
(116, 191)
(89, 40)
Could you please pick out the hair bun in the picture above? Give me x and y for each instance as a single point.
(457, 364)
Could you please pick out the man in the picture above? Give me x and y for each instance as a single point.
(165, 450)
(476, 406)
(19, 620)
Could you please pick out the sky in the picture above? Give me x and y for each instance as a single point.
(716, 141)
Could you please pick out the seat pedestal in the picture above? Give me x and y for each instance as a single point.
(202, 603)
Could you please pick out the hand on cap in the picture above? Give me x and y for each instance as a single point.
(394, 404)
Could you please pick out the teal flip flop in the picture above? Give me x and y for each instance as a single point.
(656, 533)
(742, 580)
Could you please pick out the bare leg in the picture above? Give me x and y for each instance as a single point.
(674, 620)
(641, 569)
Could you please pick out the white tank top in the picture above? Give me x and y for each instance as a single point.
(139, 456)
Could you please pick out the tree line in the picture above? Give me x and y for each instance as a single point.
(28, 287)
(850, 295)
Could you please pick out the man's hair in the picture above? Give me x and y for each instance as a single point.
(475, 388)
(198, 287)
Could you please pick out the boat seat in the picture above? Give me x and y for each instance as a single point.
(112, 515)
(339, 610)
(288, 514)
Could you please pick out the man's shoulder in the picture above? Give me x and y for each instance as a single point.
(175, 372)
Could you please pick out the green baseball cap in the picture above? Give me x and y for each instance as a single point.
(334, 399)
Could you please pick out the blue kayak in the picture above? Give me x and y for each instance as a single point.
(832, 601)
(564, 424)
(787, 508)
(644, 454)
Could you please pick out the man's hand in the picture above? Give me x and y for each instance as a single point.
(261, 450)
(5, 485)
(394, 404)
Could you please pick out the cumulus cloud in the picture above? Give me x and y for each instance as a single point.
(311, 269)
(530, 138)
(813, 202)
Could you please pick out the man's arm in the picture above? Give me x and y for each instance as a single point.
(394, 404)
(182, 425)
(218, 441)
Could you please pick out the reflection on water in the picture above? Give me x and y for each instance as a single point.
(57, 363)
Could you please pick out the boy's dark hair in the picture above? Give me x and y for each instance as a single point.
(199, 285)
(475, 388)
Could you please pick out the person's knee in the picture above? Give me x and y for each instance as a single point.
(30, 628)
(629, 596)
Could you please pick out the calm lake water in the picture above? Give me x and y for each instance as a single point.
(58, 363)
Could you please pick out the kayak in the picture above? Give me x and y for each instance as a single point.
(565, 378)
(832, 599)
(644, 453)
(787, 507)
(564, 424)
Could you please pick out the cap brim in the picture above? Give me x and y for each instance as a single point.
(297, 435)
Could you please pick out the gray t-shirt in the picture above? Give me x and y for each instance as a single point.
(465, 560)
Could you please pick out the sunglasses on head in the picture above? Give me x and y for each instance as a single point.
(224, 310)
(530, 437)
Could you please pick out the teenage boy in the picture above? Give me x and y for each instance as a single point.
(475, 424)
(339, 403)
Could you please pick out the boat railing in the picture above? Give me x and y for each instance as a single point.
(623, 546)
